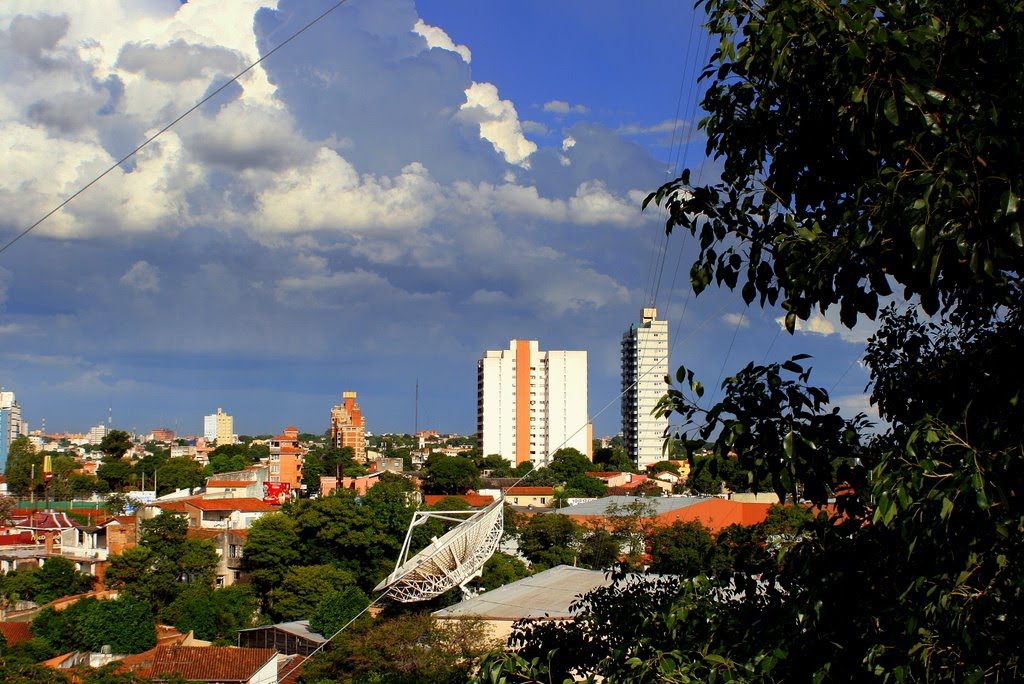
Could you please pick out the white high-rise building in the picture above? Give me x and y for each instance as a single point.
(97, 433)
(644, 367)
(531, 403)
(11, 426)
(219, 427)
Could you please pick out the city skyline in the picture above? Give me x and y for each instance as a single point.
(321, 228)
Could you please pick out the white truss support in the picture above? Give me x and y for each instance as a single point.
(450, 561)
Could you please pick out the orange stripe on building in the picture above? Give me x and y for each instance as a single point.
(523, 427)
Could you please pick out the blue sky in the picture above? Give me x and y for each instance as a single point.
(404, 186)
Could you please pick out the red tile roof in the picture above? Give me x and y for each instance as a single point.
(171, 506)
(230, 483)
(209, 663)
(289, 669)
(530, 491)
(245, 503)
(475, 500)
(15, 632)
(45, 521)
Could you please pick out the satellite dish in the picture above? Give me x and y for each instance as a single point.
(450, 561)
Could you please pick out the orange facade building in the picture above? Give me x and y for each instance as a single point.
(286, 458)
(348, 427)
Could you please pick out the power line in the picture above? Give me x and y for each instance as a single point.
(166, 128)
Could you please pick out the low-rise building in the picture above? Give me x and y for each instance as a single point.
(548, 595)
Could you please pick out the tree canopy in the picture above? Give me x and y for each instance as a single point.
(870, 161)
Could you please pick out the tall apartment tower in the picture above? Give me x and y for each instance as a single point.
(10, 425)
(644, 367)
(531, 403)
(219, 427)
(348, 427)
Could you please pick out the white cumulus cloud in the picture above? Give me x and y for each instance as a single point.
(499, 123)
(563, 107)
(437, 38)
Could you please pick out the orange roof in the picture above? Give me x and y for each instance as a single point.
(530, 491)
(474, 500)
(244, 503)
(210, 663)
(230, 483)
(717, 514)
(603, 475)
(15, 632)
(289, 669)
(171, 506)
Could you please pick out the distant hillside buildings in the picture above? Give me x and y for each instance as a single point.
(348, 427)
(644, 367)
(530, 402)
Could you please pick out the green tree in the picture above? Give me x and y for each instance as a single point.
(501, 569)
(58, 577)
(303, 587)
(213, 614)
(337, 609)
(114, 473)
(599, 549)
(494, 464)
(450, 475)
(164, 563)
(271, 546)
(21, 460)
(225, 462)
(115, 444)
(585, 486)
(568, 463)
(869, 150)
(179, 473)
(550, 539)
(407, 649)
(331, 461)
(125, 624)
(682, 548)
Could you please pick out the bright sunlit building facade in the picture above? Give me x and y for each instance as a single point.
(530, 403)
(644, 367)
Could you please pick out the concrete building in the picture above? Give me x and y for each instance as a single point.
(644, 367)
(97, 433)
(10, 425)
(162, 435)
(286, 459)
(219, 427)
(348, 426)
(531, 403)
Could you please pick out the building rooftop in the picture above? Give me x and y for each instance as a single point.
(230, 483)
(299, 628)
(245, 504)
(546, 594)
(530, 491)
(207, 663)
(474, 500)
(659, 504)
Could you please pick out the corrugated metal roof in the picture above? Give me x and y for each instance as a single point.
(660, 504)
(546, 594)
(299, 628)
